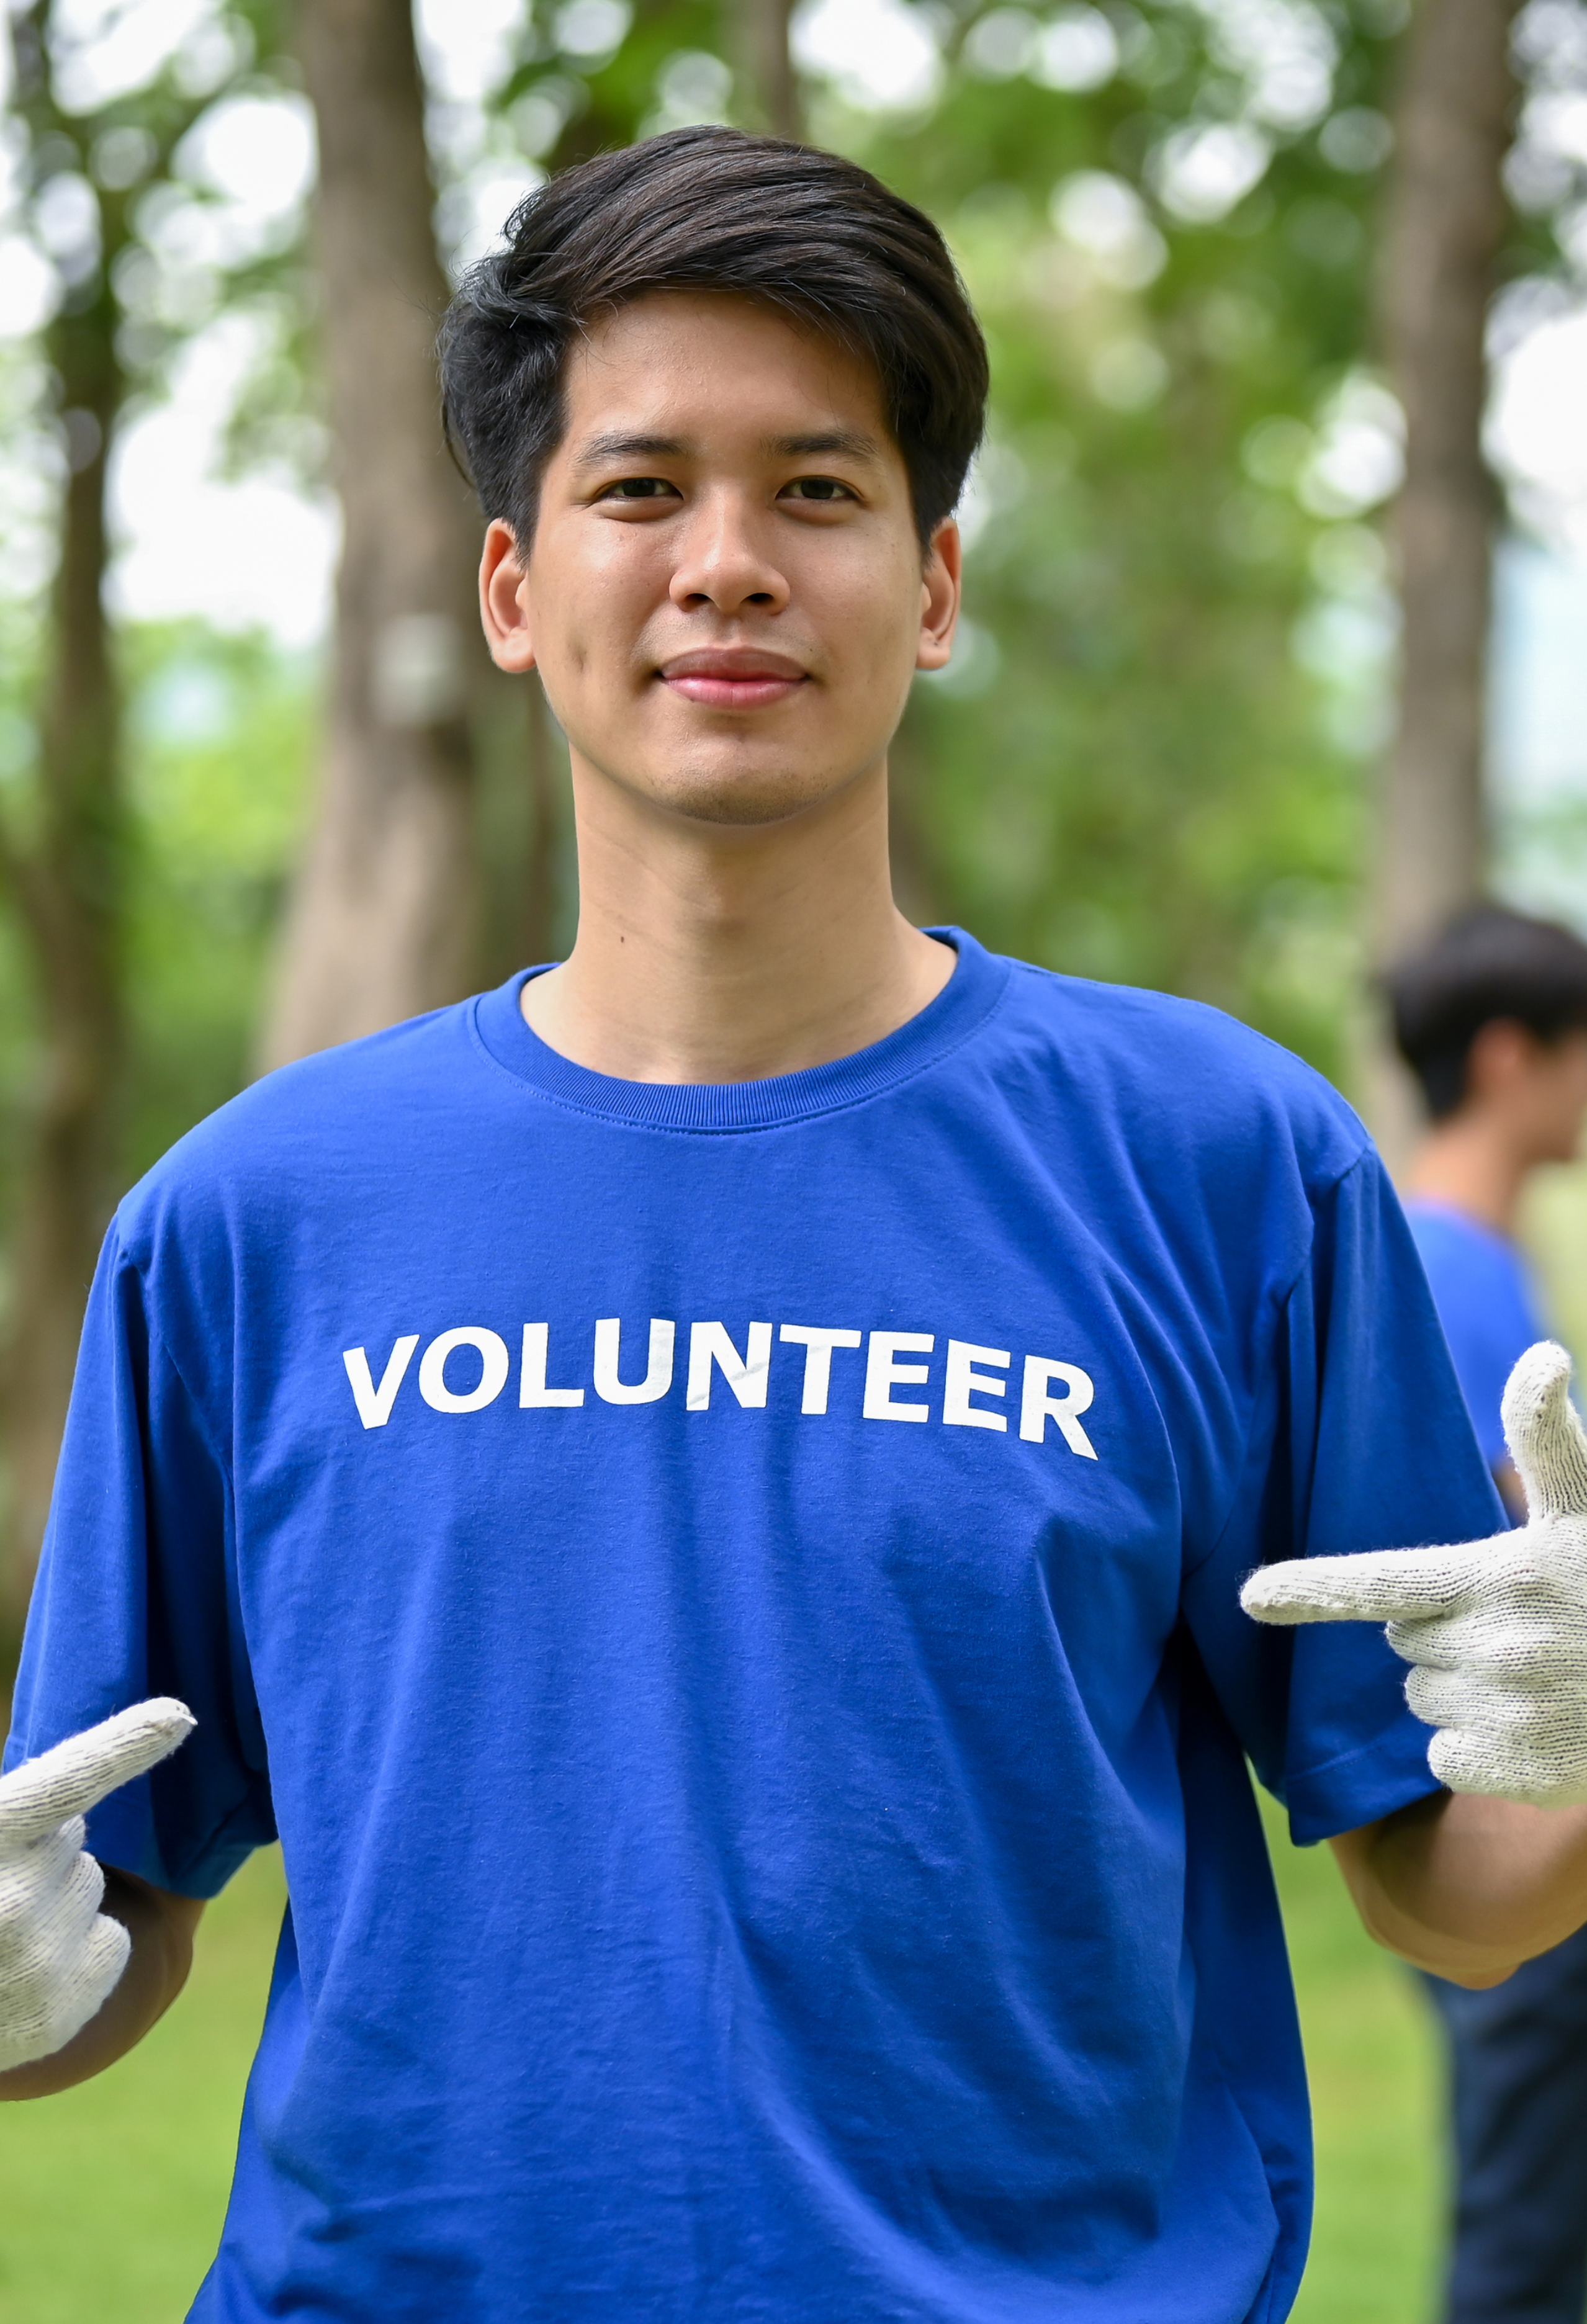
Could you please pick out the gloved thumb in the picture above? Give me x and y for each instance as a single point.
(1544, 1434)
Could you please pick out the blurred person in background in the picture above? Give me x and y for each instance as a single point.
(1492, 1019)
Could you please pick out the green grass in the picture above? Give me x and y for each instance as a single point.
(1377, 2103)
(111, 2196)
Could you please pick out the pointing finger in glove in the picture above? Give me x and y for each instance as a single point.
(85, 1769)
(61, 1957)
(1379, 1585)
(1495, 1629)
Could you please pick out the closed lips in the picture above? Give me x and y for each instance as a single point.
(733, 681)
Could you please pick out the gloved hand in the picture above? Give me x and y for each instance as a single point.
(1496, 1631)
(60, 1956)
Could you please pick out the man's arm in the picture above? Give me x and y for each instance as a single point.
(160, 1927)
(1511, 1491)
(1469, 1886)
(1474, 1880)
(79, 1984)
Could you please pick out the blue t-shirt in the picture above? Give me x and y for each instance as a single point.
(728, 1597)
(1486, 1305)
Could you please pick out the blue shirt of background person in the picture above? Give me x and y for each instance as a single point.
(1491, 1018)
(1486, 1302)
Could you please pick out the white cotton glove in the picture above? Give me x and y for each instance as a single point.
(60, 1956)
(1496, 1631)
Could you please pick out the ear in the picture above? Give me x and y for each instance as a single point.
(501, 601)
(1501, 1051)
(939, 597)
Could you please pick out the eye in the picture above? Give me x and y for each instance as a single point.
(825, 489)
(640, 488)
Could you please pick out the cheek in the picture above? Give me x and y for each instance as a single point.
(1570, 1082)
(869, 608)
(1569, 1099)
(594, 589)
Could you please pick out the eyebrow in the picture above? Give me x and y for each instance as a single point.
(619, 445)
(850, 443)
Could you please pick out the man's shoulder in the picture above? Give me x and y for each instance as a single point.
(1445, 1233)
(1179, 1074)
(1479, 1277)
(312, 1128)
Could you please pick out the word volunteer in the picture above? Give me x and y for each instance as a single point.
(971, 1372)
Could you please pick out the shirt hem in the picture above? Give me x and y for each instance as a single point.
(1316, 1811)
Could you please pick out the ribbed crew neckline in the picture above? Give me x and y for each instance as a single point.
(970, 995)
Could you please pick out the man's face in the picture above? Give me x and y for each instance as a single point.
(1557, 1095)
(1538, 1088)
(725, 593)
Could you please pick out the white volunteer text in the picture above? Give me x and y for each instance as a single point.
(892, 1360)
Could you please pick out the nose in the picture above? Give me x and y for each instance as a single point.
(726, 559)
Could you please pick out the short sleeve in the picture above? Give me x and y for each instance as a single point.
(136, 1596)
(1361, 1441)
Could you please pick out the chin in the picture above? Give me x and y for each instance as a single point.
(748, 796)
(746, 809)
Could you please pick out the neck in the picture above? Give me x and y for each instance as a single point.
(1468, 1163)
(726, 952)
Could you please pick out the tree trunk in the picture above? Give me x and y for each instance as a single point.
(1447, 224)
(523, 828)
(760, 28)
(546, 773)
(382, 921)
(67, 878)
(71, 892)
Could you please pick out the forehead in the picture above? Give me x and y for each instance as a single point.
(712, 361)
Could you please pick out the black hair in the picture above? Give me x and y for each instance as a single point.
(1487, 963)
(711, 209)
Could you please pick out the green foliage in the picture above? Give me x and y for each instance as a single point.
(155, 244)
(1378, 2105)
(564, 106)
(1132, 774)
(126, 195)
(221, 744)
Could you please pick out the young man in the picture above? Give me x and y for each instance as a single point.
(1492, 1019)
(703, 1494)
